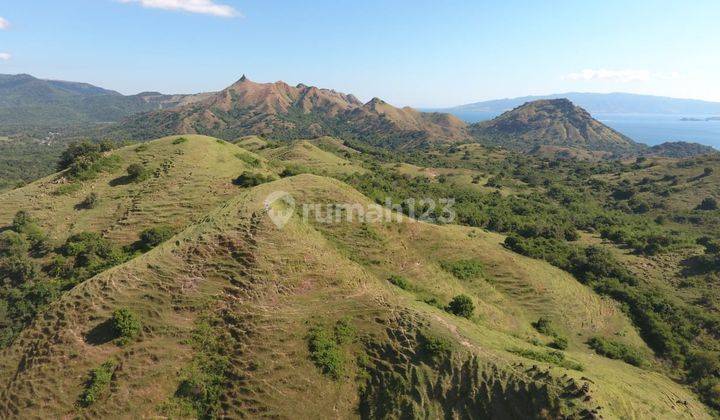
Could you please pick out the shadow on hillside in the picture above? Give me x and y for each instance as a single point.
(121, 180)
(694, 266)
(101, 334)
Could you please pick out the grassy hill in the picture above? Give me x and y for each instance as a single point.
(306, 155)
(189, 175)
(234, 316)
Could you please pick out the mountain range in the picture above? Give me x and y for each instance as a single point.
(26, 100)
(287, 112)
(284, 112)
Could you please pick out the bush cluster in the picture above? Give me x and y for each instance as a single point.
(252, 179)
(98, 383)
(461, 305)
(616, 350)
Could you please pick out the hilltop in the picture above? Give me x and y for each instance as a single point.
(232, 316)
(294, 112)
(556, 122)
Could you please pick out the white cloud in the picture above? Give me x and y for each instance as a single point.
(622, 76)
(4, 24)
(206, 7)
(5, 56)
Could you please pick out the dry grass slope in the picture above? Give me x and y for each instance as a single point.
(266, 287)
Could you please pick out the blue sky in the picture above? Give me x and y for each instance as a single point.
(418, 53)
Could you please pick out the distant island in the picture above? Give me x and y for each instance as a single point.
(701, 119)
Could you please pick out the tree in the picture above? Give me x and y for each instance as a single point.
(461, 305)
(75, 150)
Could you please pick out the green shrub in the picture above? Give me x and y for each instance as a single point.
(204, 381)
(88, 168)
(464, 269)
(325, 352)
(137, 172)
(249, 159)
(560, 343)
(251, 179)
(433, 301)
(461, 305)
(98, 383)
(344, 331)
(126, 325)
(13, 243)
(179, 140)
(616, 350)
(293, 169)
(436, 347)
(152, 237)
(399, 281)
(19, 269)
(708, 203)
(544, 326)
(91, 254)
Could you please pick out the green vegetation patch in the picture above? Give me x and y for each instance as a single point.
(154, 236)
(399, 281)
(252, 179)
(326, 352)
(249, 159)
(204, 380)
(67, 189)
(616, 350)
(137, 172)
(97, 385)
(126, 325)
(464, 269)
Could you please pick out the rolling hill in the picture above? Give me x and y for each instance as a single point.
(295, 112)
(556, 122)
(237, 316)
